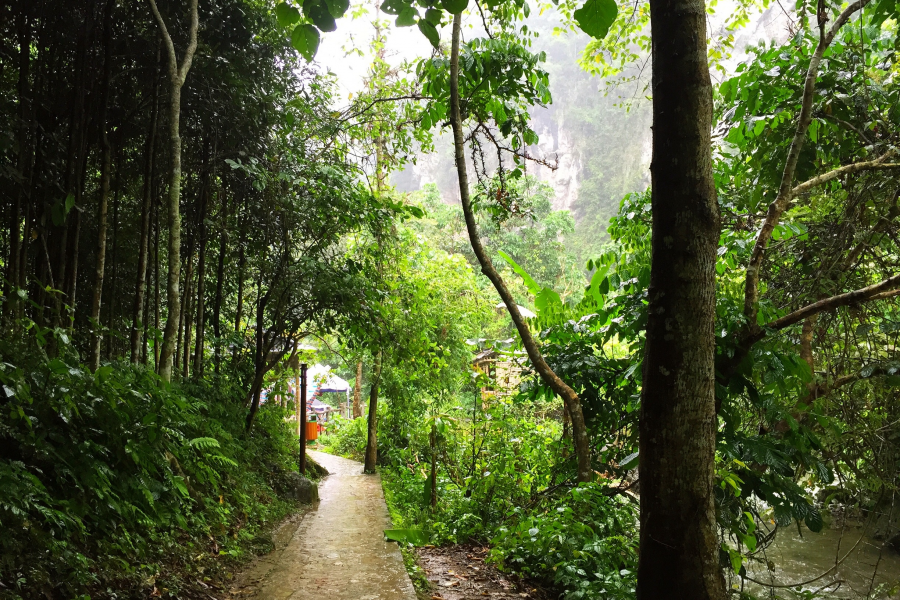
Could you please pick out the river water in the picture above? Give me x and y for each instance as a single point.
(799, 556)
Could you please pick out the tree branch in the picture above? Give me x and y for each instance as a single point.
(881, 290)
(551, 379)
(785, 192)
(192, 45)
(167, 39)
(876, 164)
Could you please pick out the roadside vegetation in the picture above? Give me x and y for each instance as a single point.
(617, 402)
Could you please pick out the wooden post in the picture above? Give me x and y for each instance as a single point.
(297, 404)
(303, 419)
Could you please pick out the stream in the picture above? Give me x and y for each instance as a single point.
(800, 557)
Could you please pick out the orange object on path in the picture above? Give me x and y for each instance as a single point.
(312, 431)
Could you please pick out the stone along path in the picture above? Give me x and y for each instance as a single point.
(337, 551)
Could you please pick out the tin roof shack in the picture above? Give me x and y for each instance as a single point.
(504, 372)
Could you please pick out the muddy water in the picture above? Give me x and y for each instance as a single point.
(799, 558)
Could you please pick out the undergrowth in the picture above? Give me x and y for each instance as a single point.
(116, 485)
(501, 480)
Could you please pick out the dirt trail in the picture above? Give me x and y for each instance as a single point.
(337, 551)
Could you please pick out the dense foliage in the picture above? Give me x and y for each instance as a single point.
(114, 485)
(117, 482)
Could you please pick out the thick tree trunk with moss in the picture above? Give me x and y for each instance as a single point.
(678, 546)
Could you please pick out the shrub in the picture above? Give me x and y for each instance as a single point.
(115, 481)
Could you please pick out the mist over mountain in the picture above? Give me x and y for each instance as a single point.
(598, 139)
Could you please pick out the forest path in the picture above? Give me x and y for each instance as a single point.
(337, 550)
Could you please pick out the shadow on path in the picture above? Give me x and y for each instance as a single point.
(337, 551)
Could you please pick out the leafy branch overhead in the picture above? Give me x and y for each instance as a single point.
(595, 17)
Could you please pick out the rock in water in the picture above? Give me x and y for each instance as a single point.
(300, 488)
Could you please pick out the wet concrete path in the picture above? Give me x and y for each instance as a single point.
(337, 551)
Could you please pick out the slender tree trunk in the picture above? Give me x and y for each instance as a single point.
(177, 75)
(105, 168)
(301, 411)
(137, 324)
(679, 550)
(550, 378)
(239, 311)
(15, 208)
(433, 477)
(357, 392)
(187, 310)
(156, 296)
(372, 439)
(220, 282)
(201, 283)
(112, 293)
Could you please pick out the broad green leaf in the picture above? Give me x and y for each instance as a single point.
(430, 32)
(286, 14)
(305, 40)
(393, 7)
(596, 17)
(454, 7)
(337, 8)
(407, 17)
(547, 298)
(433, 16)
(318, 12)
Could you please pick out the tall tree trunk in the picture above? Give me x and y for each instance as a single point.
(301, 413)
(156, 296)
(220, 281)
(23, 26)
(242, 262)
(357, 391)
(137, 324)
(103, 205)
(205, 192)
(548, 376)
(112, 293)
(679, 551)
(177, 75)
(372, 439)
(187, 310)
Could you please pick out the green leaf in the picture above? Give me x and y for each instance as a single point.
(530, 283)
(630, 461)
(454, 7)
(429, 31)
(337, 8)
(433, 16)
(319, 14)
(407, 17)
(103, 373)
(305, 40)
(596, 17)
(393, 7)
(415, 537)
(814, 519)
(286, 14)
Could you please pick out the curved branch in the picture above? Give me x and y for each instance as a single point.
(785, 192)
(551, 379)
